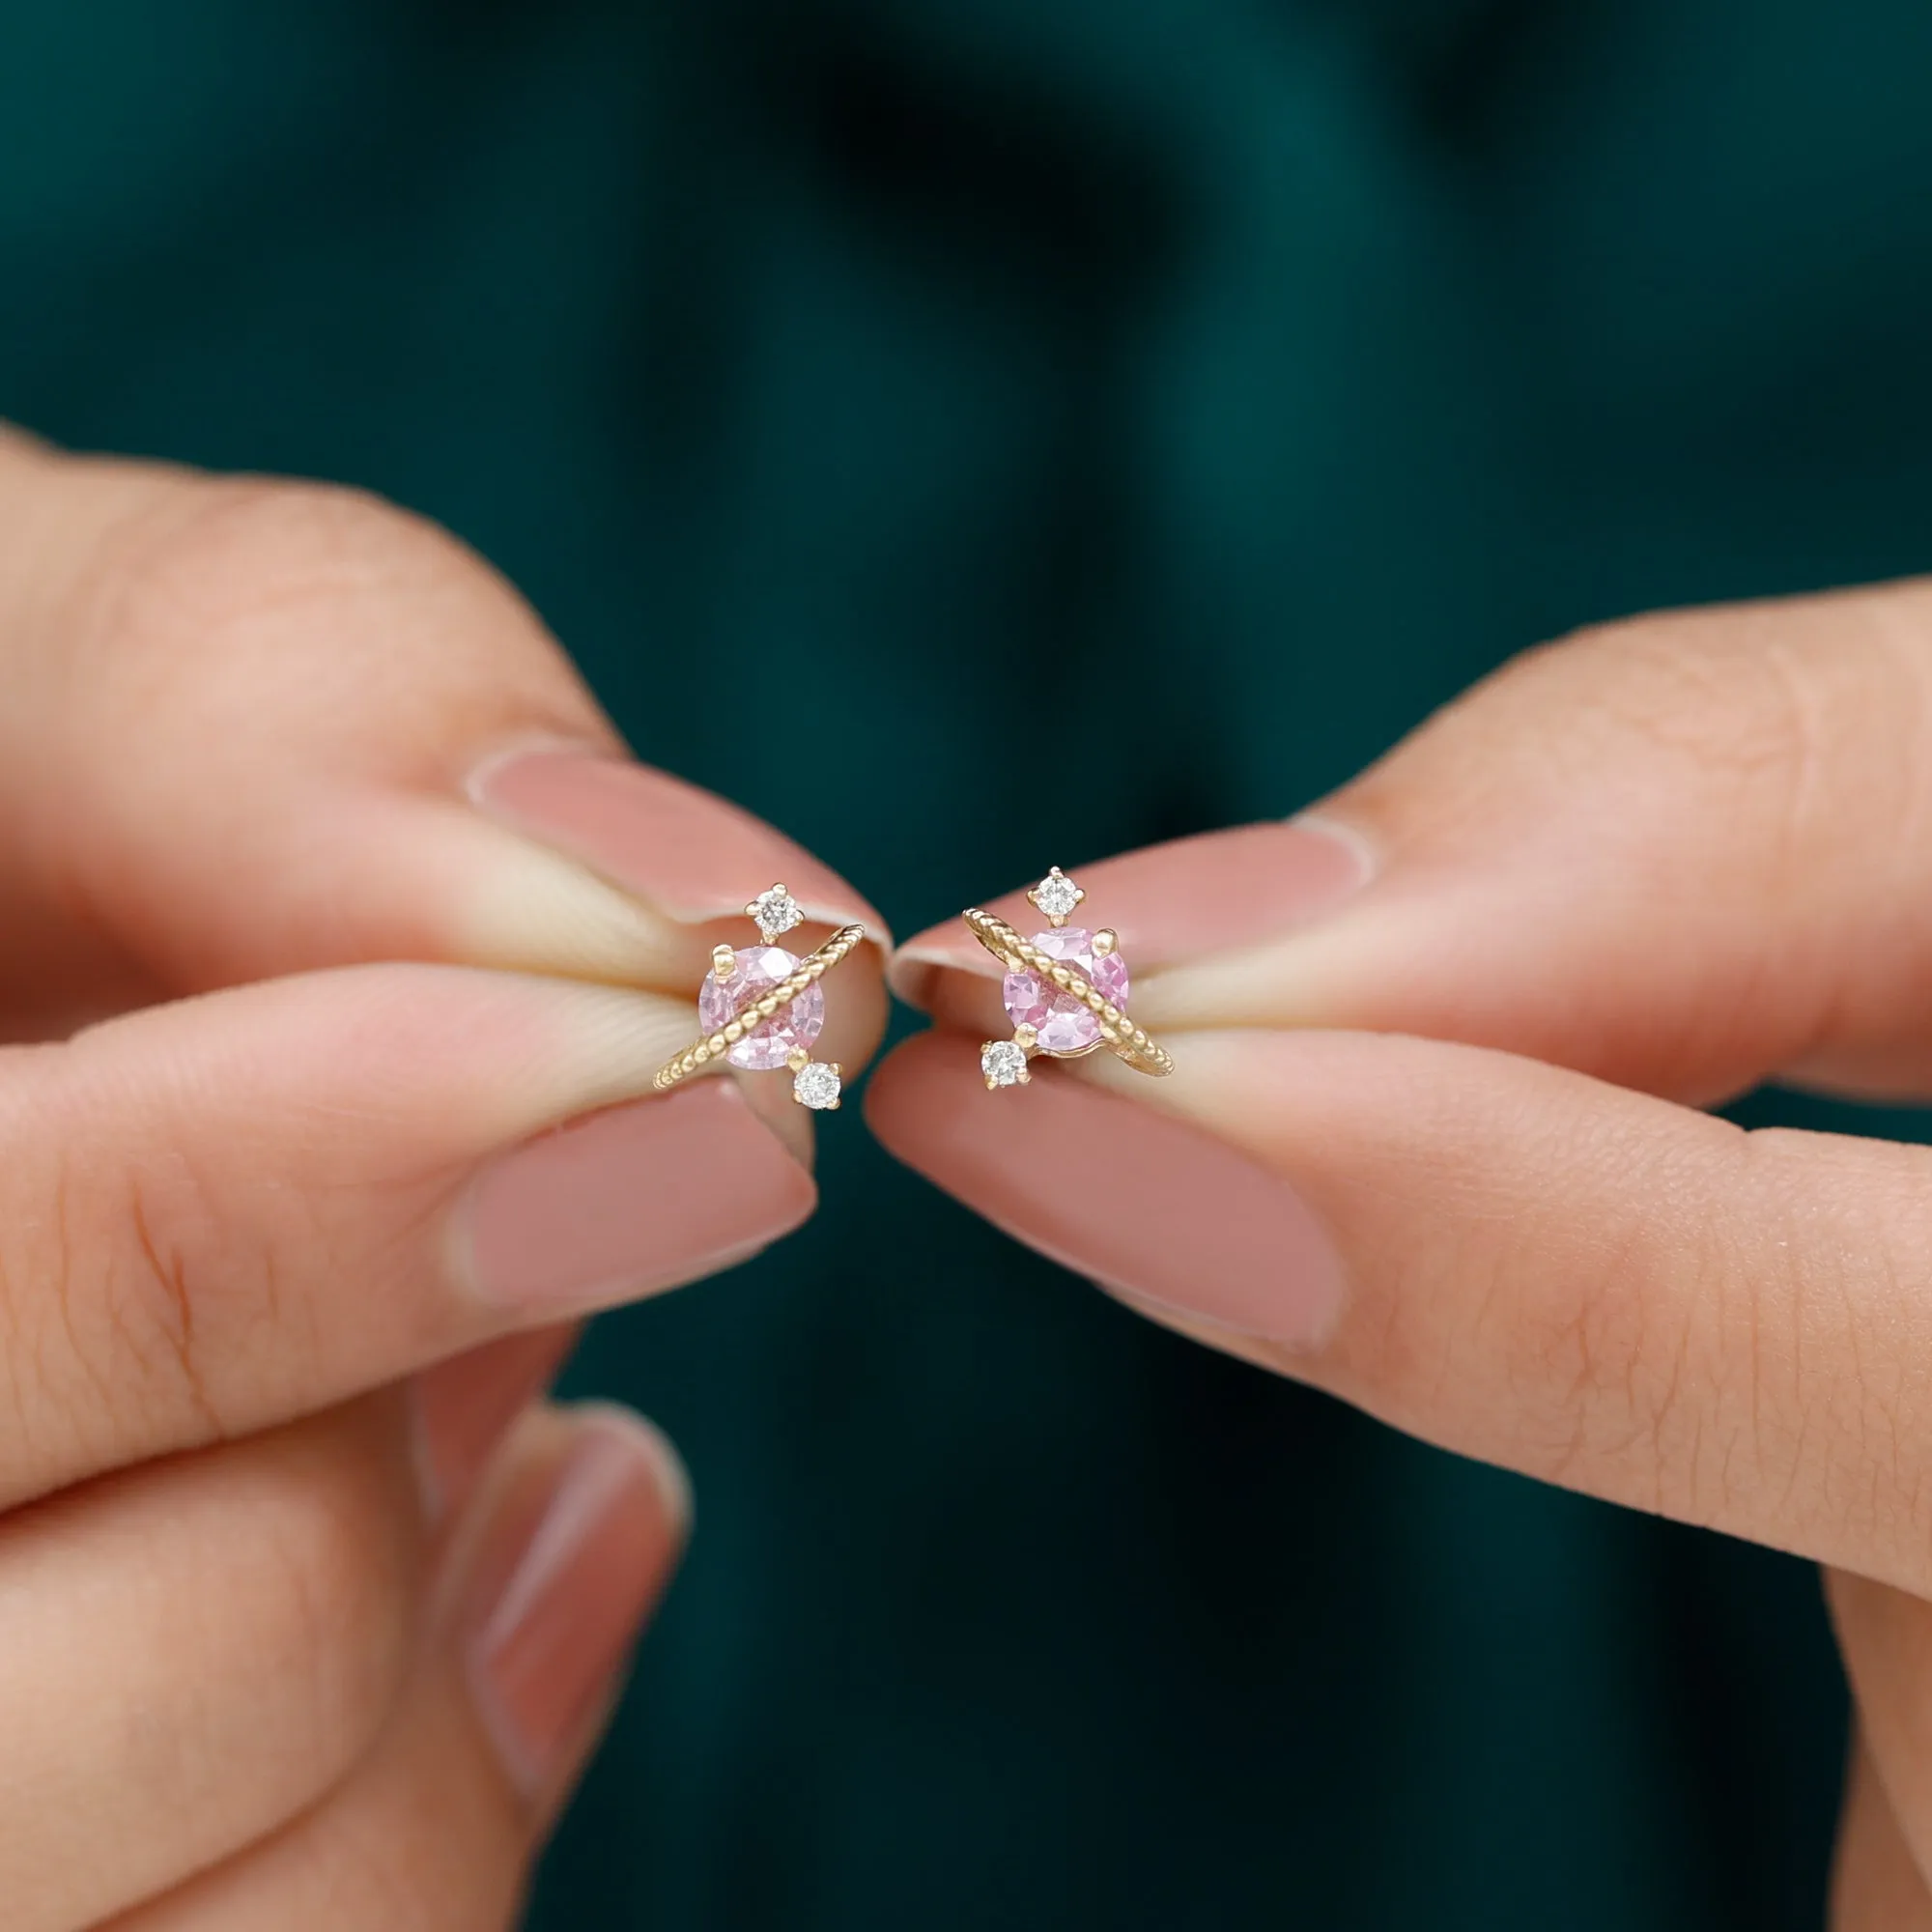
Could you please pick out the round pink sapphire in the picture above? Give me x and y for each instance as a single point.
(1065, 1024)
(757, 969)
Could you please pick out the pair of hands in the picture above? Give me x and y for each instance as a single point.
(331, 897)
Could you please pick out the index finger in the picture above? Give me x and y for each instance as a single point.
(224, 1213)
(1685, 853)
(1589, 1286)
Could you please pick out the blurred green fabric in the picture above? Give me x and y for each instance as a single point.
(1296, 361)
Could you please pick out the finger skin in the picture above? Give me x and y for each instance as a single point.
(432, 1833)
(257, 728)
(222, 1214)
(1683, 853)
(1885, 1637)
(194, 1651)
(461, 1407)
(1875, 1885)
(1583, 1284)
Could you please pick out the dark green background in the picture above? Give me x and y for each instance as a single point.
(1296, 360)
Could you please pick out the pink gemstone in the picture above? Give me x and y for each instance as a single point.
(757, 970)
(1065, 1024)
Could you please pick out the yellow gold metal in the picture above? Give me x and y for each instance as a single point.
(797, 1060)
(714, 1046)
(1105, 941)
(1027, 1039)
(723, 962)
(1020, 955)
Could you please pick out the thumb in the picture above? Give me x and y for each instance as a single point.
(256, 728)
(1682, 854)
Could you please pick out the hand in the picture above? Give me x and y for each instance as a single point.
(1433, 1143)
(308, 1617)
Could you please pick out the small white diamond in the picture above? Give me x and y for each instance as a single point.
(1003, 1062)
(815, 1085)
(775, 912)
(1056, 894)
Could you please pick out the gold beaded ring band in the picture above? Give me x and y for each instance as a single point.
(761, 1006)
(1066, 991)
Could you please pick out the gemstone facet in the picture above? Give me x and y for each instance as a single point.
(815, 1083)
(1065, 1025)
(756, 969)
(1003, 1062)
(775, 912)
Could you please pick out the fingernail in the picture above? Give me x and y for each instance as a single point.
(691, 855)
(561, 1579)
(629, 1201)
(461, 1409)
(1215, 893)
(1141, 1202)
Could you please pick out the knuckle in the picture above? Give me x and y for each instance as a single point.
(329, 1596)
(150, 1302)
(1763, 731)
(290, 1577)
(1581, 1355)
(200, 1318)
(263, 599)
(1848, 1220)
(380, 1873)
(223, 556)
(85, 1322)
(1629, 1361)
(1616, 1372)
(1728, 694)
(138, 1294)
(1793, 706)
(122, 1288)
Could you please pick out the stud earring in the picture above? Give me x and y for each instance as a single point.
(1066, 991)
(761, 1006)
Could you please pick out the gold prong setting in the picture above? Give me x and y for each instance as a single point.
(775, 912)
(762, 1008)
(1056, 896)
(816, 1084)
(1004, 1064)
